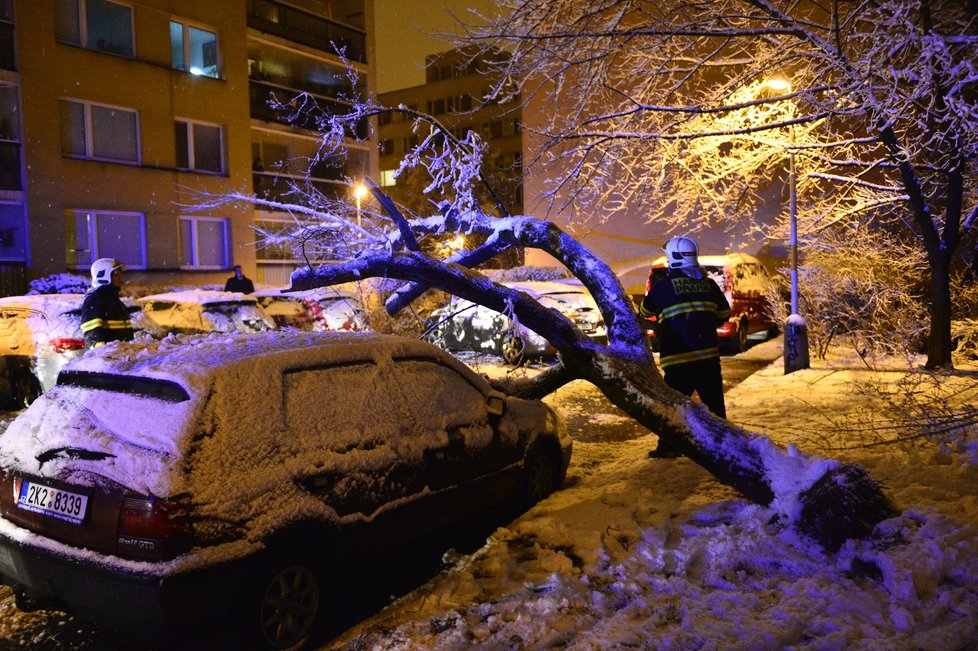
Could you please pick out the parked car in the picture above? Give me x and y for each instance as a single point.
(197, 311)
(234, 479)
(748, 289)
(285, 309)
(39, 334)
(324, 309)
(464, 325)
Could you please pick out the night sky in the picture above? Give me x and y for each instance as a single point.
(407, 31)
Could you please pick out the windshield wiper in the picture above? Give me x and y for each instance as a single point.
(75, 453)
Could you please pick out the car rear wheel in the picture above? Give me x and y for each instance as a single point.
(286, 605)
(742, 336)
(26, 389)
(512, 350)
(541, 476)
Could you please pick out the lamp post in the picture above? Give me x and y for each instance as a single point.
(359, 192)
(795, 328)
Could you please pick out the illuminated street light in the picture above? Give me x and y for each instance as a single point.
(795, 329)
(359, 191)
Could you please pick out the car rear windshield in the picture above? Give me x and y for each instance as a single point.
(139, 386)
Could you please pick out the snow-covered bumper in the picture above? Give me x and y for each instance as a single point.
(134, 602)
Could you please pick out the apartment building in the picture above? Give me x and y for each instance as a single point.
(456, 82)
(115, 116)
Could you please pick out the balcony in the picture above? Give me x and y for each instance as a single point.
(278, 187)
(302, 117)
(307, 29)
(7, 57)
(10, 177)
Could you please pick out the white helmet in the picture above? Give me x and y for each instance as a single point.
(102, 271)
(681, 253)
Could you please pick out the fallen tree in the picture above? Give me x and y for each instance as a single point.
(825, 499)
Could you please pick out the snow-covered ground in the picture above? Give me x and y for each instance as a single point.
(643, 553)
(639, 553)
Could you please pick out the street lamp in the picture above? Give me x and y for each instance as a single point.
(795, 328)
(359, 192)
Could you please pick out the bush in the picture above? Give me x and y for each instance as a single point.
(60, 284)
(867, 291)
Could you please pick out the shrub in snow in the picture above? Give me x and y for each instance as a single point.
(60, 284)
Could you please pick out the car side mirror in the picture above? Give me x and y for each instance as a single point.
(496, 403)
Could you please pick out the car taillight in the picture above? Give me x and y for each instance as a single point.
(66, 344)
(150, 527)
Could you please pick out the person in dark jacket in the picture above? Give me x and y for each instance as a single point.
(688, 307)
(105, 317)
(239, 282)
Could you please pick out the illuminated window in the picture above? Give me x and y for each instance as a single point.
(387, 178)
(194, 50)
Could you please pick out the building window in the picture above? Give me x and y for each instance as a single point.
(194, 50)
(100, 132)
(94, 234)
(96, 25)
(385, 118)
(387, 146)
(13, 240)
(200, 146)
(204, 242)
(388, 178)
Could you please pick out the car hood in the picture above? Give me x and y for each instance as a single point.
(71, 434)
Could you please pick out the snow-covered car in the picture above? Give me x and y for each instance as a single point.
(285, 309)
(748, 289)
(201, 311)
(464, 325)
(39, 334)
(229, 479)
(323, 309)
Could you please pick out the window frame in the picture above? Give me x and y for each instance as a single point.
(195, 244)
(93, 241)
(191, 151)
(82, 34)
(89, 132)
(185, 31)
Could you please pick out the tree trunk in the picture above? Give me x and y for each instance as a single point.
(939, 340)
(828, 500)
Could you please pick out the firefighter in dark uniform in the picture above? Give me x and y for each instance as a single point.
(688, 307)
(105, 317)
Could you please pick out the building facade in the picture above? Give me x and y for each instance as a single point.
(116, 116)
(455, 85)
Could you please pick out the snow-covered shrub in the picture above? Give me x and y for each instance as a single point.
(866, 291)
(60, 284)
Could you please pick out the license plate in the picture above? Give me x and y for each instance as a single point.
(55, 502)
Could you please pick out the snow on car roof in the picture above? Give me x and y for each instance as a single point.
(200, 296)
(192, 361)
(538, 288)
(47, 303)
(714, 260)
